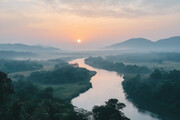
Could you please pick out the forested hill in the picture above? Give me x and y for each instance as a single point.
(160, 92)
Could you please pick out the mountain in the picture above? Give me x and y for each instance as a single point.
(168, 44)
(27, 48)
(173, 42)
(133, 43)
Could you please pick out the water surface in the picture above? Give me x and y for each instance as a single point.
(106, 85)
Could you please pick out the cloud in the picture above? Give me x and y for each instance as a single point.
(115, 8)
(95, 8)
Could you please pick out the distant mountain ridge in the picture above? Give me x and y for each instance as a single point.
(172, 41)
(27, 48)
(134, 42)
(141, 43)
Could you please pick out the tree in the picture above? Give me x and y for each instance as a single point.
(46, 93)
(6, 88)
(156, 75)
(109, 111)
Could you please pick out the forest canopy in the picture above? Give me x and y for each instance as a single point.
(10, 66)
(160, 92)
(23, 100)
(63, 73)
(99, 62)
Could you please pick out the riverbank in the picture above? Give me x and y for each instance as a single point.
(67, 81)
(69, 91)
(106, 85)
(159, 94)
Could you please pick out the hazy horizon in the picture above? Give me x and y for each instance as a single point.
(60, 23)
(108, 65)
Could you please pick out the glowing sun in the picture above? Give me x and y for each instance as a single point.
(79, 41)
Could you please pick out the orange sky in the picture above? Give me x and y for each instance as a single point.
(60, 23)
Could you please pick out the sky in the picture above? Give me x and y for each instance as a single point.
(98, 23)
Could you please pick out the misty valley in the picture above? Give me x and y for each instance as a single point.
(46, 83)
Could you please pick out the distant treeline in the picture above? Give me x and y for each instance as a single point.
(10, 66)
(142, 57)
(14, 54)
(99, 62)
(63, 73)
(160, 92)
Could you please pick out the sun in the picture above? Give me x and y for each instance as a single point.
(79, 41)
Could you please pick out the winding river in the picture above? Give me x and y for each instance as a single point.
(106, 85)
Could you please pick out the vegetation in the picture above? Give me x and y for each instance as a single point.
(14, 54)
(146, 57)
(109, 111)
(68, 91)
(59, 75)
(115, 66)
(24, 100)
(62, 74)
(6, 89)
(10, 66)
(166, 61)
(68, 81)
(160, 92)
(31, 103)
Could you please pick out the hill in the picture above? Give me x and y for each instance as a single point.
(25, 48)
(133, 43)
(168, 44)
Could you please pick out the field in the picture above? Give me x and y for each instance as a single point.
(68, 91)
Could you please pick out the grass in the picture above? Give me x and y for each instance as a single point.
(27, 73)
(68, 91)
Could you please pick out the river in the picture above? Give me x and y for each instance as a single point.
(106, 85)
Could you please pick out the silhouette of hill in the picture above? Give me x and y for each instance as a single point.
(169, 42)
(172, 43)
(133, 43)
(25, 48)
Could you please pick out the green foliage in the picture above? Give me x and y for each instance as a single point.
(160, 92)
(25, 90)
(10, 66)
(47, 93)
(31, 103)
(6, 88)
(146, 57)
(109, 111)
(115, 66)
(60, 75)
